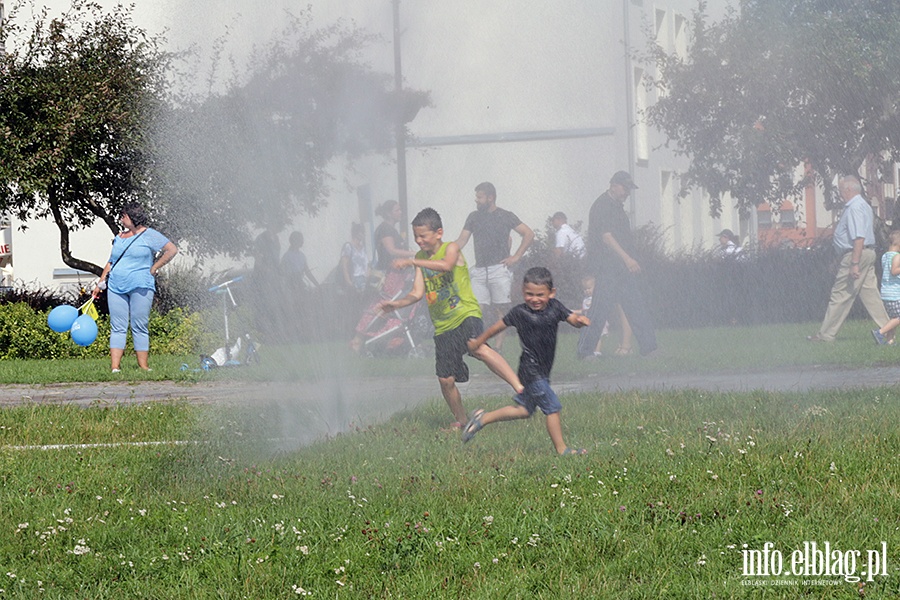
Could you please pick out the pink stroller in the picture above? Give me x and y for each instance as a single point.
(407, 331)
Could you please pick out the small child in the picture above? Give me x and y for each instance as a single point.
(442, 277)
(536, 321)
(890, 290)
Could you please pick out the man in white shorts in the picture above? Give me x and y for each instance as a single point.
(491, 275)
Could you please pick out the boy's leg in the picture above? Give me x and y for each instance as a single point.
(507, 413)
(554, 428)
(453, 398)
(498, 365)
(890, 326)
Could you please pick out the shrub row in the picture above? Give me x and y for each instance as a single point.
(24, 334)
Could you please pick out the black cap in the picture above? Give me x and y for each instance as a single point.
(623, 178)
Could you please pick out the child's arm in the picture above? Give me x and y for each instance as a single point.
(444, 265)
(414, 295)
(577, 320)
(493, 330)
(895, 265)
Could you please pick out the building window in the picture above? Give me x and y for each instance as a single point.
(680, 36)
(662, 32)
(641, 131)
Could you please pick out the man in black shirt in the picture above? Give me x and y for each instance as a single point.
(611, 251)
(491, 275)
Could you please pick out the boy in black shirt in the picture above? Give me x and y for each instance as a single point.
(536, 322)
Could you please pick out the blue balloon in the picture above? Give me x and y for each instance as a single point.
(62, 318)
(84, 330)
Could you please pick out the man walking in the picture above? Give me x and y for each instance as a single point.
(491, 276)
(854, 242)
(610, 252)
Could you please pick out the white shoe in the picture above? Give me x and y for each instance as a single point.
(117, 370)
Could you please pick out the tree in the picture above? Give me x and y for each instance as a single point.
(90, 118)
(76, 97)
(257, 153)
(777, 84)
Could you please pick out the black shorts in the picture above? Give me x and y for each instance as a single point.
(451, 346)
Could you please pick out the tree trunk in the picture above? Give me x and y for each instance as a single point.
(68, 259)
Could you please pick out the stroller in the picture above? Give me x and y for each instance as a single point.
(406, 331)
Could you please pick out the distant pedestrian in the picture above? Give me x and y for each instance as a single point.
(491, 275)
(890, 290)
(611, 253)
(568, 241)
(854, 243)
(537, 321)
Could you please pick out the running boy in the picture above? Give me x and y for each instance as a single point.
(536, 321)
(443, 278)
(890, 290)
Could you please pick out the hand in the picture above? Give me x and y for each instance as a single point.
(582, 321)
(473, 345)
(153, 271)
(509, 261)
(854, 271)
(402, 263)
(384, 307)
(632, 265)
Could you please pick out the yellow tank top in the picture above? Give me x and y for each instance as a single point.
(449, 294)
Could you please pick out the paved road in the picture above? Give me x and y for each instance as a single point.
(312, 410)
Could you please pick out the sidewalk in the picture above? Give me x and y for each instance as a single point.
(313, 410)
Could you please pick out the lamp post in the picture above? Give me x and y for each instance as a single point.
(400, 126)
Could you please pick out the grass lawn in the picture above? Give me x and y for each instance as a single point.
(676, 491)
(722, 349)
(682, 495)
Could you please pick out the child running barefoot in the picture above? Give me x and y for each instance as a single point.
(890, 290)
(536, 321)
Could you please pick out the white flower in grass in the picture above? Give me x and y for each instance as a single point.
(21, 527)
(10, 575)
(487, 520)
(300, 591)
(702, 560)
(81, 548)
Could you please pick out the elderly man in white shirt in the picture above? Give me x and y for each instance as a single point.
(854, 241)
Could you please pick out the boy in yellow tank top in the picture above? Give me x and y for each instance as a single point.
(442, 278)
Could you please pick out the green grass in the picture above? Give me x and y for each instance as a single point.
(729, 349)
(673, 488)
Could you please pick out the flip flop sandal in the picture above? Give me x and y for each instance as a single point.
(573, 452)
(473, 426)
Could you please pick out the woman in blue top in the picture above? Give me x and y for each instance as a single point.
(129, 279)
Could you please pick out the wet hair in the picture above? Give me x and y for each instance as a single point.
(894, 237)
(560, 215)
(428, 217)
(356, 230)
(384, 210)
(296, 240)
(488, 188)
(136, 213)
(539, 276)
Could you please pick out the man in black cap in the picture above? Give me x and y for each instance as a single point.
(610, 252)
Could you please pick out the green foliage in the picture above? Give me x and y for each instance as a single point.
(76, 97)
(776, 84)
(256, 154)
(24, 334)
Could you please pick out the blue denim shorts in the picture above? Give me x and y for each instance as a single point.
(539, 394)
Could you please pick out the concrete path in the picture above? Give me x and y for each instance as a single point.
(313, 410)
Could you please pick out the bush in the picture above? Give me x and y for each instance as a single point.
(24, 334)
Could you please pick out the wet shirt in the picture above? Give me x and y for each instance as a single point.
(135, 255)
(608, 216)
(537, 334)
(490, 230)
(448, 293)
